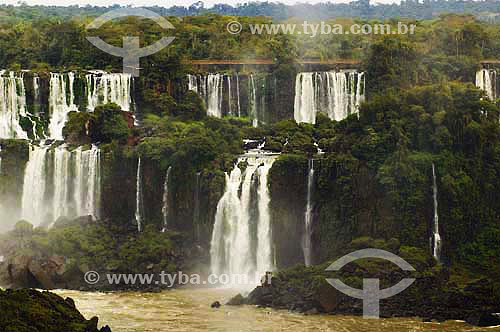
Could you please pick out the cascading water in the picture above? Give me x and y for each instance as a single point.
(138, 197)
(103, 88)
(486, 80)
(210, 89)
(308, 216)
(87, 193)
(12, 106)
(241, 240)
(238, 93)
(436, 238)
(222, 95)
(74, 177)
(337, 94)
(253, 102)
(166, 197)
(214, 95)
(61, 102)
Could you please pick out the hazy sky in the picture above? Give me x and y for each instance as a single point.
(164, 3)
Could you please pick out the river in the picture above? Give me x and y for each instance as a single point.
(182, 310)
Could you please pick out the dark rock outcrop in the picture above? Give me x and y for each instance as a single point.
(433, 296)
(30, 310)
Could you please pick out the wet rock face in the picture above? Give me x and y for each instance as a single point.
(33, 271)
(31, 310)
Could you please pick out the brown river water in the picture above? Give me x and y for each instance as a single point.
(189, 310)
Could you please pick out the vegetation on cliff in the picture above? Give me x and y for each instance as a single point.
(32, 311)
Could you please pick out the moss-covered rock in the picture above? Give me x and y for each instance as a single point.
(28, 310)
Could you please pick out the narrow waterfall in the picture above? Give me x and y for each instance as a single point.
(74, 177)
(436, 238)
(253, 101)
(166, 197)
(12, 106)
(103, 88)
(139, 211)
(308, 216)
(486, 80)
(61, 102)
(230, 110)
(238, 93)
(337, 94)
(241, 240)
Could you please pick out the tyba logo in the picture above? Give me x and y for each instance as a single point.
(371, 294)
(131, 51)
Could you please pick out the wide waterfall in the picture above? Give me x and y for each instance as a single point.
(210, 89)
(166, 198)
(61, 102)
(12, 106)
(61, 183)
(223, 93)
(308, 216)
(337, 94)
(139, 203)
(486, 80)
(241, 240)
(103, 88)
(436, 238)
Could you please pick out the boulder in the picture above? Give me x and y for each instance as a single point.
(484, 319)
(237, 300)
(216, 305)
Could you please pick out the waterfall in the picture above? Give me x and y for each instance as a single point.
(210, 89)
(230, 112)
(35, 182)
(103, 88)
(61, 179)
(241, 240)
(436, 238)
(222, 96)
(304, 109)
(74, 177)
(61, 102)
(238, 93)
(214, 95)
(486, 81)
(12, 106)
(87, 193)
(253, 102)
(138, 197)
(166, 197)
(337, 94)
(308, 216)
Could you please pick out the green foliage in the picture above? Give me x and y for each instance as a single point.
(106, 124)
(109, 124)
